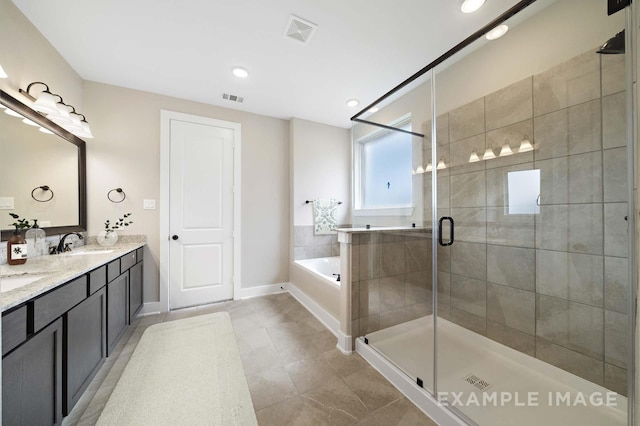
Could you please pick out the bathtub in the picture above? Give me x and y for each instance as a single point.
(314, 278)
(323, 267)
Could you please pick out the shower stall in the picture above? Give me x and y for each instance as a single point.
(513, 302)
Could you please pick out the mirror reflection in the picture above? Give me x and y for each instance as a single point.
(41, 171)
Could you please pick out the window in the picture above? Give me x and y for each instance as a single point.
(383, 162)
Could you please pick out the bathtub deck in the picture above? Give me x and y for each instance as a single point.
(462, 353)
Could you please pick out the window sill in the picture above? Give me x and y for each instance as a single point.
(388, 211)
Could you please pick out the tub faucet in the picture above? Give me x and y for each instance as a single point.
(62, 247)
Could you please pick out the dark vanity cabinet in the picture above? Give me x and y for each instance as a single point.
(86, 345)
(32, 380)
(54, 344)
(135, 287)
(117, 312)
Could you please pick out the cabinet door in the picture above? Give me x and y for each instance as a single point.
(117, 310)
(135, 290)
(86, 344)
(32, 380)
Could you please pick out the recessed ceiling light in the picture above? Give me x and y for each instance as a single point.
(352, 103)
(374, 109)
(469, 6)
(497, 32)
(240, 72)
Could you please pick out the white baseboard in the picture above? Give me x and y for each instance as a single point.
(261, 290)
(150, 308)
(328, 320)
(420, 397)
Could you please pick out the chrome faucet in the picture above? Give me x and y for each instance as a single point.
(62, 247)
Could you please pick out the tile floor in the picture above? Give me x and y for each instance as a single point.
(295, 374)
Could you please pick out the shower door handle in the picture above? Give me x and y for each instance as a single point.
(450, 242)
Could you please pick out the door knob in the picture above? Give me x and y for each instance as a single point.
(175, 237)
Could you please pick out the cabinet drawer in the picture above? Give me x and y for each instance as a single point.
(139, 254)
(113, 270)
(14, 329)
(52, 305)
(97, 279)
(127, 261)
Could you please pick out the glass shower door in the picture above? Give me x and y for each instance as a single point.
(533, 294)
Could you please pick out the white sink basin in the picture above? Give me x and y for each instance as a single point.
(12, 282)
(85, 252)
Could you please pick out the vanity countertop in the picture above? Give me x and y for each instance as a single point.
(51, 271)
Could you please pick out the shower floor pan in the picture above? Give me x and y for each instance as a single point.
(469, 363)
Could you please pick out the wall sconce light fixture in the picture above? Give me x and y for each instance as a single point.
(506, 149)
(57, 111)
(525, 145)
(441, 165)
(488, 154)
(473, 158)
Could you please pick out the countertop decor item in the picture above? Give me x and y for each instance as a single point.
(109, 236)
(17, 245)
(36, 240)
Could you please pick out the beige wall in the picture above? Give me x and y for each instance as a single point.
(126, 153)
(27, 56)
(320, 167)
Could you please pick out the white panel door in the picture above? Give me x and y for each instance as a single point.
(200, 214)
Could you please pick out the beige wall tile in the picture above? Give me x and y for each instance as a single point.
(551, 135)
(469, 295)
(468, 190)
(616, 338)
(554, 180)
(510, 229)
(616, 187)
(570, 83)
(571, 361)
(616, 284)
(585, 127)
(613, 74)
(467, 120)
(515, 339)
(469, 260)
(512, 307)
(614, 121)
(511, 266)
(585, 178)
(510, 105)
(615, 230)
(585, 228)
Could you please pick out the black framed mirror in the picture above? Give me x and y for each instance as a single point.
(42, 171)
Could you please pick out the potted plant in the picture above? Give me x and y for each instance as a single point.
(17, 245)
(109, 236)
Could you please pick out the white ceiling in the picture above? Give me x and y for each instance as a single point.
(186, 49)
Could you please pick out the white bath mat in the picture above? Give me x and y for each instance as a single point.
(185, 372)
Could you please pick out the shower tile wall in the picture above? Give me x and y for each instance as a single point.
(390, 279)
(306, 245)
(552, 285)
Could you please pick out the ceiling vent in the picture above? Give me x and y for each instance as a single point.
(299, 29)
(232, 98)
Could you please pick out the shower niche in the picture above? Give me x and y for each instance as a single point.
(526, 152)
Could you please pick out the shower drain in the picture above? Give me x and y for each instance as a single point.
(477, 382)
